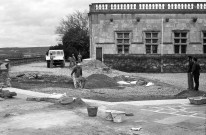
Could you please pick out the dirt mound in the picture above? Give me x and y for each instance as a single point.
(78, 102)
(93, 64)
(99, 81)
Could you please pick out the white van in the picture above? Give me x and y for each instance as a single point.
(58, 58)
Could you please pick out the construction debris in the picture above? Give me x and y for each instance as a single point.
(10, 115)
(123, 83)
(124, 78)
(136, 129)
(29, 75)
(141, 82)
(62, 101)
(99, 81)
(129, 114)
(7, 94)
(66, 100)
(46, 99)
(150, 84)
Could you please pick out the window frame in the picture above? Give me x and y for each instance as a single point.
(151, 43)
(125, 41)
(182, 45)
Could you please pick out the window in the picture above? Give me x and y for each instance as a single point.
(180, 42)
(204, 42)
(123, 42)
(151, 42)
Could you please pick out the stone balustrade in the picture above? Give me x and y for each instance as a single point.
(196, 7)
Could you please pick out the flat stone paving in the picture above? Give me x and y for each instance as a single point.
(155, 117)
(180, 110)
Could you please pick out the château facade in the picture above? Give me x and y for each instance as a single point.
(147, 28)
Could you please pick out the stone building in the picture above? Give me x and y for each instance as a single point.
(147, 28)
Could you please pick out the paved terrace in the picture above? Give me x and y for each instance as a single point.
(166, 117)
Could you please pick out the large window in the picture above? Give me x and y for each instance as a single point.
(204, 42)
(151, 42)
(180, 42)
(123, 42)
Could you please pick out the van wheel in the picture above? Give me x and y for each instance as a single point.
(48, 64)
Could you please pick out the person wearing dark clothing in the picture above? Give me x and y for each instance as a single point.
(51, 60)
(77, 76)
(189, 74)
(196, 73)
(70, 61)
(74, 59)
(79, 58)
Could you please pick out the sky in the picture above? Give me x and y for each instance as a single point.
(32, 23)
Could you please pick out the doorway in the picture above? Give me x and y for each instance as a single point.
(99, 53)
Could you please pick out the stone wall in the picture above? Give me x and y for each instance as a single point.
(151, 63)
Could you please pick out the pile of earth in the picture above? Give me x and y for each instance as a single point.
(93, 64)
(99, 81)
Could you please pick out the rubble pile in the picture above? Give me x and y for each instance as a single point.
(29, 75)
(95, 66)
(93, 63)
(65, 101)
(99, 81)
(40, 77)
(7, 94)
(127, 80)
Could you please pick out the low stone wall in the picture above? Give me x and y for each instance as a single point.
(151, 63)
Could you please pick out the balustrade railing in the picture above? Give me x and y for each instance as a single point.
(160, 7)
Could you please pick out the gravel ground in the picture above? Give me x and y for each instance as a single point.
(170, 87)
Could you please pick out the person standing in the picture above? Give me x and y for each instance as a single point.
(196, 73)
(189, 74)
(51, 60)
(74, 59)
(70, 62)
(77, 75)
(79, 58)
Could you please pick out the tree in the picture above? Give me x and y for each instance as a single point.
(75, 34)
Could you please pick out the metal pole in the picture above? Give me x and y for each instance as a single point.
(162, 47)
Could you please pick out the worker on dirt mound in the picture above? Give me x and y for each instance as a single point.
(76, 74)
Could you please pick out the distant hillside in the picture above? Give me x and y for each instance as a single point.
(22, 52)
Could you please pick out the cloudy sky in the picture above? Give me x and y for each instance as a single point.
(30, 23)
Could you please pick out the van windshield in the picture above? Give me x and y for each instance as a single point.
(58, 53)
(53, 53)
